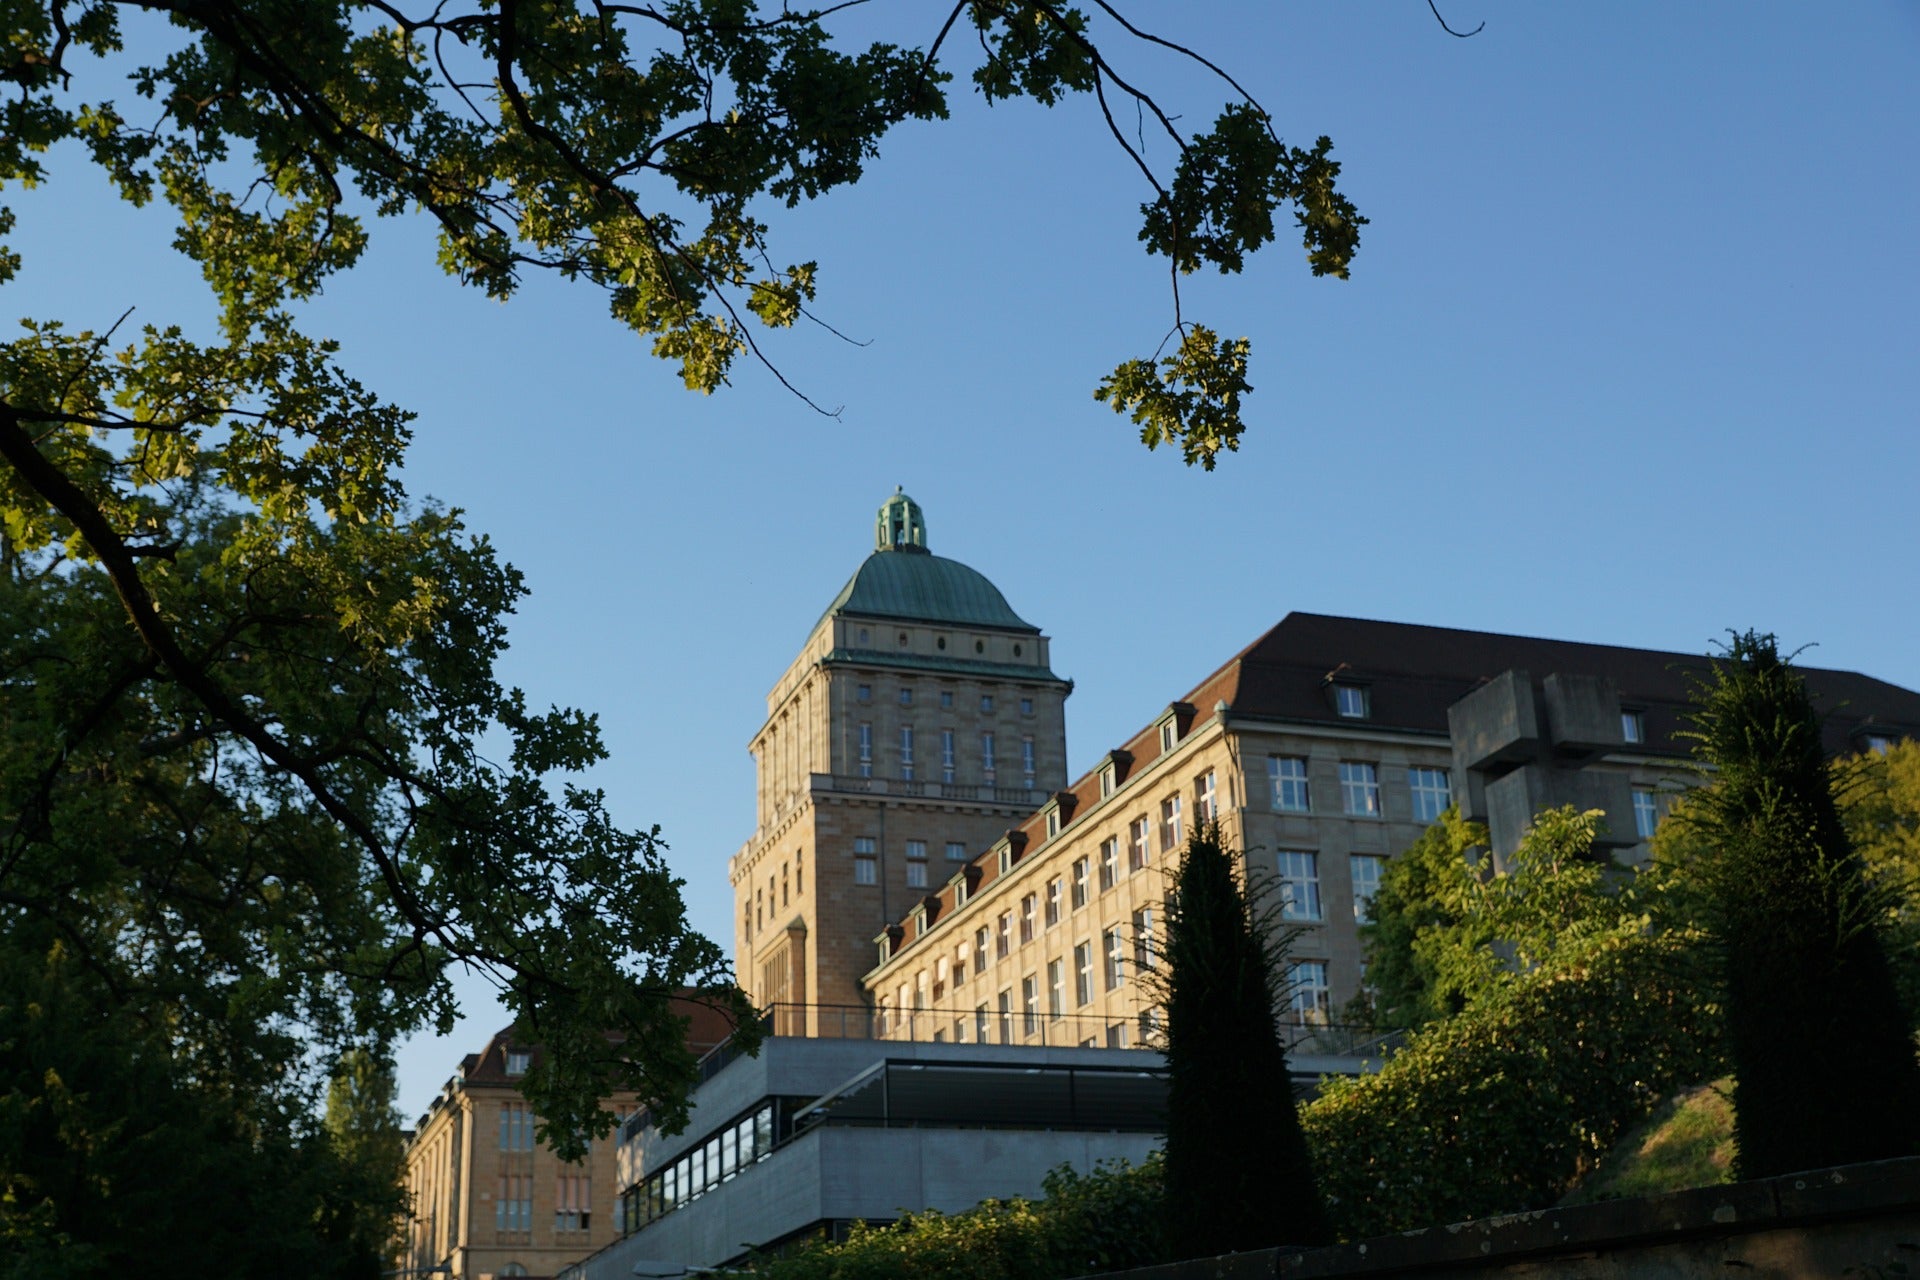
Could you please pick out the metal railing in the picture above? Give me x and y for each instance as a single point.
(1020, 1027)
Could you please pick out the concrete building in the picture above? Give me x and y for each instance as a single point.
(816, 1134)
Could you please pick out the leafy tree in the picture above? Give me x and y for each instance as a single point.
(244, 806)
(1445, 934)
(1238, 1172)
(1421, 893)
(1880, 797)
(1824, 1069)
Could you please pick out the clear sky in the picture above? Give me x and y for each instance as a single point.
(1629, 355)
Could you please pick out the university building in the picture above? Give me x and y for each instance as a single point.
(923, 868)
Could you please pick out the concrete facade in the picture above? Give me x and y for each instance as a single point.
(824, 1177)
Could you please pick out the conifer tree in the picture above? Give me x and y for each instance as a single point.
(1238, 1172)
(1824, 1069)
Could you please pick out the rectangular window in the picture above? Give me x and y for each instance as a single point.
(516, 1126)
(916, 875)
(1633, 726)
(1056, 989)
(1137, 844)
(1082, 872)
(1003, 943)
(916, 851)
(1170, 833)
(1299, 886)
(1309, 997)
(960, 956)
(866, 861)
(1204, 807)
(518, 1060)
(1351, 701)
(1169, 734)
(866, 751)
(956, 852)
(980, 949)
(946, 756)
(1365, 870)
(1030, 1003)
(1029, 908)
(1288, 774)
(986, 756)
(1026, 760)
(1053, 821)
(942, 973)
(1083, 973)
(1432, 793)
(1360, 788)
(1005, 1007)
(863, 693)
(946, 700)
(1106, 781)
(1053, 902)
(906, 752)
(906, 696)
(1026, 706)
(1646, 812)
(1111, 945)
(1117, 1036)
(1109, 862)
(1145, 958)
(986, 702)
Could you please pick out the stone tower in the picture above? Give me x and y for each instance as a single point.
(919, 722)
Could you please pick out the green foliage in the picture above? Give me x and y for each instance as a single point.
(1445, 934)
(1422, 894)
(1107, 1220)
(120, 1159)
(1795, 925)
(1880, 796)
(1238, 1175)
(1505, 1106)
(1192, 398)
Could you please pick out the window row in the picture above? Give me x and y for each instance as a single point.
(707, 1165)
(864, 693)
(1298, 882)
(866, 860)
(1118, 947)
(949, 761)
(1359, 788)
(776, 893)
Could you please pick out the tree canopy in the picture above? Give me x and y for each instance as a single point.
(261, 789)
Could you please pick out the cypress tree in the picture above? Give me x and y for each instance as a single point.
(1238, 1172)
(1824, 1069)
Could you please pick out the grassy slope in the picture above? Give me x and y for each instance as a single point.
(1688, 1142)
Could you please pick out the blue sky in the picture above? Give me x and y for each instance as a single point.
(1629, 355)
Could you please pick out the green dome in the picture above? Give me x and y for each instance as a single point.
(913, 585)
(905, 582)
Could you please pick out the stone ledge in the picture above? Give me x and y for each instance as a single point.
(1886, 1189)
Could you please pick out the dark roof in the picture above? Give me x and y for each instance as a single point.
(1414, 673)
(707, 1027)
(908, 584)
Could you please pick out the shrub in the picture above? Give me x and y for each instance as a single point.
(1502, 1108)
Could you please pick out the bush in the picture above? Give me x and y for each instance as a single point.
(1502, 1108)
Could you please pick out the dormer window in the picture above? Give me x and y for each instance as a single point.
(518, 1060)
(1053, 821)
(1879, 743)
(1169, 734)
(1351, 701)
(1633, 726)
(1106, 781)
